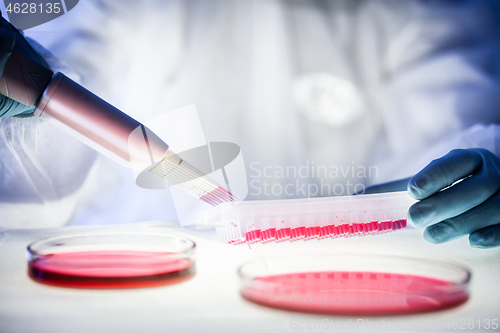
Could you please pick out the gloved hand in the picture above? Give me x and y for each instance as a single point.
(469, 207)
(9, 107)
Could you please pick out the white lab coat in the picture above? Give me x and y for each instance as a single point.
(345, 84)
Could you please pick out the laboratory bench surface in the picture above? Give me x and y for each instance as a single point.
(210, 301)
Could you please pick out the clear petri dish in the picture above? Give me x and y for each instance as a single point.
(354, 284)
(111, 260)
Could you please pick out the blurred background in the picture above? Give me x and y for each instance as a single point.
(323, 97)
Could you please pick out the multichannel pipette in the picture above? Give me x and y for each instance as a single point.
(98, 124)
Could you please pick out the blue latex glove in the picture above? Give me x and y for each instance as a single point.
(9, 107)
(469, 207)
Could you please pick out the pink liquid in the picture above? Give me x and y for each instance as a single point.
(354, 293)
(347, 229)
(218, 196)
(110, 269)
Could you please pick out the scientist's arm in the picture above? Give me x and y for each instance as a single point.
(469, 207)
(9, 107)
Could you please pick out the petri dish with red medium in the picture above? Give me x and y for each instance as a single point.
(349, 284)
(111, 260)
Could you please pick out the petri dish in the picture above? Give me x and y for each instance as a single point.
(349, 284)
(111, 260)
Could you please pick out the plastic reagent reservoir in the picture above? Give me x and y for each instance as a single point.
(354, 284)
(111, 260)
(295, 219)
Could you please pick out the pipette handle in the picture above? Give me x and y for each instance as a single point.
(97, 123)
(76, 110)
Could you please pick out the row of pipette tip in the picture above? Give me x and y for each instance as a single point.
(248, 231)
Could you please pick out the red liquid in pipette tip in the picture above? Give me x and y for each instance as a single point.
(110, 269)
(364, 293)
(317, 232)
(218, 196)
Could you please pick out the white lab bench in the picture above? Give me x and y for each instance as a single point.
(210, 302)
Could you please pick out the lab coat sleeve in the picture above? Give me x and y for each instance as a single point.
(42, 171)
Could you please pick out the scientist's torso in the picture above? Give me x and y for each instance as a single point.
(333, 93)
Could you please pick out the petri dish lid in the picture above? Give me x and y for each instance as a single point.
(111, 260)
(354, 283)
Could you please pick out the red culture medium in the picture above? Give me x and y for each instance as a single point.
(347, 229)
(364, 293)
(110, 269)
